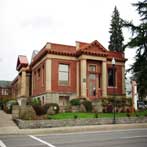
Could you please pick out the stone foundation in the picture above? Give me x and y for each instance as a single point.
(54, 97)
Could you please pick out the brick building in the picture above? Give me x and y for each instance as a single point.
(5, 89)
(21, 85)
(58, 73)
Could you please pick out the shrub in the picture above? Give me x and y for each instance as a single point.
(109, 108)
(128, 110)
(55, 107)
(104, 110)
(75, 102)
(49, 117)
(75, 116)
(96, 115)
(128, 115)
(36, 102)
(122, 110)
(10, 104)
(46, 107)
(105, 102)
(41, 110)
(136, 114)
(88, 105)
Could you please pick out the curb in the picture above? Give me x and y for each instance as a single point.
(58, 130)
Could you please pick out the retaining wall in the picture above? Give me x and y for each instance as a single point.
(24, 124)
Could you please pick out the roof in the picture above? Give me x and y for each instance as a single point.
(62, 49)
(5, 84)
(94, 48)
(22, 61)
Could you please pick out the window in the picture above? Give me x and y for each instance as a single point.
(38, 73)
(92, 76)
(99, 80)
(63, 74)
(111, 81)
(5, 92)
(43, 75)
(63, 100)
(92, 68)
(34, 80)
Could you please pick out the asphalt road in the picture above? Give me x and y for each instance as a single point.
(115, 138)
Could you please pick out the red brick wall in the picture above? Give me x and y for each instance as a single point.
(72, 76)
(38, 82)
(118, 88)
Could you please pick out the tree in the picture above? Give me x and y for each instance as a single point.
(116, 37)
(139, 42)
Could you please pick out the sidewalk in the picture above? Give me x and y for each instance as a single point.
(6, 123)
(7, 126)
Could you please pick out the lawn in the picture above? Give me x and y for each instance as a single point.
(70, 115)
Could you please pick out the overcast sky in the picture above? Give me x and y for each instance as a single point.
(26, 25)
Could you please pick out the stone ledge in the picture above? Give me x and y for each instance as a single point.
(25, 124)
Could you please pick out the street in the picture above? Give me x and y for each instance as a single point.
(121, 138)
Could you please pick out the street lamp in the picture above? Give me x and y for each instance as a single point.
(113, 69)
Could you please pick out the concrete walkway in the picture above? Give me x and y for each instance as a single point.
(7, 126)
(6, 123)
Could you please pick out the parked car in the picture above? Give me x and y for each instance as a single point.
(141, 105)
(10, 104)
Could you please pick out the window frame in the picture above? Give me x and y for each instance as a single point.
(43, 76)
(68, 72)
(115, 79)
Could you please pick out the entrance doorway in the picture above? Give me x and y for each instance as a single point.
(94, 80)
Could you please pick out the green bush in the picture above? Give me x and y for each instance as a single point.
(55, 107)
(9, 105)
(109, 108)
(35, 102)
(41, 110)
(75, 116)
(75, 102)
(88, 105)
(96, 115)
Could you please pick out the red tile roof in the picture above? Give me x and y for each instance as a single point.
(82, 44)
(62, 49)
(22, 61)
(94, 48)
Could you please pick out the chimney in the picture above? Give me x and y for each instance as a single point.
(77, 45)
(48, 46)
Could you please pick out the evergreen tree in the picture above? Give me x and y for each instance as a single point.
(139, 42)
(116, 37)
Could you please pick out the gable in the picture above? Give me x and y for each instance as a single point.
(21, 62)
(94, 48)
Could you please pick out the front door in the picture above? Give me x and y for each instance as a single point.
(92, 85)
(94, 81)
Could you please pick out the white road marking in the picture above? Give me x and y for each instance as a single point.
(2, 144)
(42, 141)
